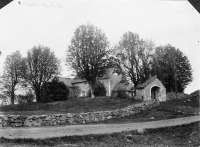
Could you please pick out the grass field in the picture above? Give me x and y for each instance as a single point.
(166, 110)
(147, 115)
(76, 105)
(193, 101)
(188, 105)
(178, 136)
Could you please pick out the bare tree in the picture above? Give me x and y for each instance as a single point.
(133, 58)
(88, 54)
(42, 65)
(14, 68)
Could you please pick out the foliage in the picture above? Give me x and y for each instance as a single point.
(174, 96)
(54, 91)
(172, 67)
(99, 89)
(88, 54)
(29, 97)
(74, 91)
(14, 68)
(122, 94)
(133, 58)
(42, 65)
(75, 105)
(195, 93)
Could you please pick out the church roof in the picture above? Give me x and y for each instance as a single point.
(122, 86)
(105, 76)
(148, 81)
(67, 81)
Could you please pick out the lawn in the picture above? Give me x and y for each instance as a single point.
(147, 115)
(75, 105)
(184, 136)
(178, 136)
(187, 105)
(191, 101)
(166, 110)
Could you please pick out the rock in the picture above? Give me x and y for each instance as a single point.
(96, 119)
(63, 118)
(109, 117)
(40, 121)
(49, 118)
(27, 123)
(17, 121)
(36, 124)
(18, 124)
(140, 130)
(69, 115)
(103, 118)
(71, 120)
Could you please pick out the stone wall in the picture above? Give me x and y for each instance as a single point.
(162, 94)
(71, 118)
(173, 95)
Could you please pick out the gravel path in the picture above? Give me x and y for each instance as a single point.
(58, 131)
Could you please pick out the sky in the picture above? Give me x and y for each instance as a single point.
(26, 23)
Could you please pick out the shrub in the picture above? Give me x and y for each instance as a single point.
(54, 91)
(99, 89)
(29, 97)
(74, 91)
(173, 95)
(195, 93)
(122, 94)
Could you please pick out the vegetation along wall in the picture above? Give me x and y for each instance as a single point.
(72, 118)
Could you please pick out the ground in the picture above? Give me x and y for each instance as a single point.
(75, 105)
(185, 135)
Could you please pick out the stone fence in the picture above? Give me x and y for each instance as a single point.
(173, 96)
(71, 118)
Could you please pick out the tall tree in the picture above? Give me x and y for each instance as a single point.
(172, 67)
(42, 65)
(14, 68)
(133, 58)
(88, 54)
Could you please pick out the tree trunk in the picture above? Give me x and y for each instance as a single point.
(176, 85)
(37, 93)
(12, 98)
(92, 92)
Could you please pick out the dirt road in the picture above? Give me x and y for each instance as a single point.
(58, 131)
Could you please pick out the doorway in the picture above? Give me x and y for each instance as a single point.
(154, 92)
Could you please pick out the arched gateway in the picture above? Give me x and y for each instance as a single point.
(155, 90)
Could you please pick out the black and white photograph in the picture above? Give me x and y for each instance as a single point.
(99, 73)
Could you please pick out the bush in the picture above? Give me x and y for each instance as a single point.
(173, 95)
(74, 92)
(54, 91)
(29, 97)
(122, 94)
(195, 93)
(99, 89)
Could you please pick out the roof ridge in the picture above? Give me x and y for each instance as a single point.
(149, 80)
